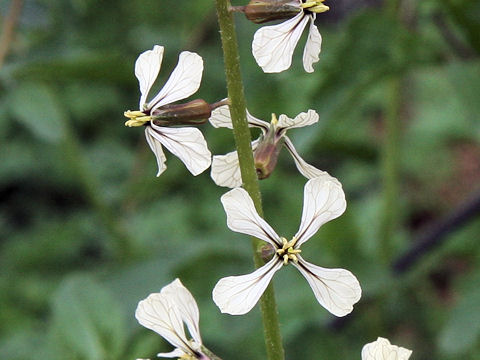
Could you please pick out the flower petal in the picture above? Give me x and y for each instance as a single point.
(381, 349)
(186, 305)
(273, 46)
(301, 120)
(243, 218)
(157, 313)
(188, 144)
(221, 119)
(183, 82)
(157, 150)
(312, 47)
(177, 353)
(147, 67)
(226, 170)
(323, 200)
(335, 289)
(307, 170)
(237, 295)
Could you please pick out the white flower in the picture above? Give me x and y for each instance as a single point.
(335, 289)
(381, 349)
(225, 168)
(187, 143)
(273, 45)
(166, 313)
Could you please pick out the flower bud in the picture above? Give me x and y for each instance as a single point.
(193, 112)
(266, 153)
(260, 11)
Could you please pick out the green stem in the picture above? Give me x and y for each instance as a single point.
(390, 153)
(241, 132)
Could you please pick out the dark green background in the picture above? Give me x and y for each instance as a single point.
(87, 230)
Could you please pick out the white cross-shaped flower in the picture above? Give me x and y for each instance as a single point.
(166, 313)
(187, 143)
(273, 46)
(335, 289)
(381, 349)
(225, 168)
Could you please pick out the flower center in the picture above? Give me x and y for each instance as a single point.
(287, 252)
(137, 118)
(315, 6)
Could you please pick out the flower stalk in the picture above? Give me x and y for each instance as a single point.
(242, 137)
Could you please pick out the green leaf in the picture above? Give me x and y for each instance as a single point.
(87, 320)
(35, 106)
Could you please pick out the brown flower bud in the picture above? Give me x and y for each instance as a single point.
(260, 11)
(193, 112)
(266, 153)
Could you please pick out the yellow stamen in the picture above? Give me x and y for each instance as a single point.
(315, 6)
(274, 120)
(287, 252)
(137, 118)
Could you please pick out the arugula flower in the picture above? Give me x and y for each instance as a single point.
(158, 115)
(335, 289)
(381, 349)
(225, 168)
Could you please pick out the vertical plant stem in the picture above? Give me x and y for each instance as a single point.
(390, 151)
(273, 339)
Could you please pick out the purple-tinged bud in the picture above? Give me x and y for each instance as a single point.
(266, 252)
(260, 11)
(266, 153)
(193, 112)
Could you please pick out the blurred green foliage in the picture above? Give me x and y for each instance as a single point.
(87, 230)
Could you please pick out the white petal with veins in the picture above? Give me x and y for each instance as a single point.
(337, 290)
(147, 67)
(301, 120)
(221, 118)
(243, 218)
(186, 306)
(157, 313)
(324, 200)
(312, 47)
(381, 349)
(273, 46)
(188, 144)
(177, 353)
(183, 82)
(156, 147)
(226, 169)
(237, 295)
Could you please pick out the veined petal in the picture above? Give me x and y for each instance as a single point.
(237, 295)
(186, 305)
(188, 144)
(183, 82)
(307, 170)
(312, 47)
(323, 200)
(243, 218)
(381, 349)
(221, 119)
(147, 67)
(226, 170)
(156, 147)
(273, 46)
(301, 120)
(335, 289)
(177, 353)
(156, 313)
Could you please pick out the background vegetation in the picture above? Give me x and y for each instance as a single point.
(87, 230)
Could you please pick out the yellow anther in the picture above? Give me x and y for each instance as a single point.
(137, 118)
(274, 120)
(315, 6)
(287, 252)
